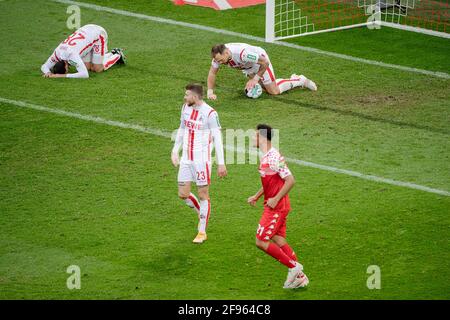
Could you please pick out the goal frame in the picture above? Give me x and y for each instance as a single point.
(271, 37)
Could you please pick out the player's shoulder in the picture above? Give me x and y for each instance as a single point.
(207, 109)
(63, 51)
(185, 108)
(274, 156)
(274, 152)
(237, 47)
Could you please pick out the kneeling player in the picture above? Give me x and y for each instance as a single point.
(87, 50)
(277, 181)
(199, 127)
(254, 62)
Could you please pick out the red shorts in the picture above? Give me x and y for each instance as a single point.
(273, 222)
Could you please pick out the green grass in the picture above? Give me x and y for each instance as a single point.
(104, 198)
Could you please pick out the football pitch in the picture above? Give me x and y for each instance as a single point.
(83, 183)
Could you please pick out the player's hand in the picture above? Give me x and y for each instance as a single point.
(212, 96)
(175, 159)
(272, 202)
(250, 84)
(47, 75)
(252, 200)
(221, 170)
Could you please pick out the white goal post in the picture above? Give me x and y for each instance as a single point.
(293, 18)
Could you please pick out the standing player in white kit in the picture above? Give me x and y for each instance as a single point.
(255, 63)
(199, 128)
(87, 50)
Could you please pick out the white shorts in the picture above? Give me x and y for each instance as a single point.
(97, 53)
(268, 76)
(198, 172)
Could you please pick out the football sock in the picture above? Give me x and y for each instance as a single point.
(289, 252)
(192, 202)
(205, 209)
(110, 59)
(287, 84)
(278, 254)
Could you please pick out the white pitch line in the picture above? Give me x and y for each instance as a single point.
(165, 134)
(254, 38)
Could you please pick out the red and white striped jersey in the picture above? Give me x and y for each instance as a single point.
(197, 123)
(76, 46)
(243, 56)
(273, 170)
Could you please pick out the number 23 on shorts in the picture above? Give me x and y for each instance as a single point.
(201, 176)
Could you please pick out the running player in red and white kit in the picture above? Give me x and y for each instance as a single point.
(87, 50)
(277, 181)
(255, 63)
(199, 128)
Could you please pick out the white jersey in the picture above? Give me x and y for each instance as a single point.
(75, 47)
(198, 123)
(243, 56)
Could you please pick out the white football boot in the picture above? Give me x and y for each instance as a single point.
(300, 281)
(293, 273)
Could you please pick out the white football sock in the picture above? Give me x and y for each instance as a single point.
(192, 202)
(205, 209)
(110, 59)
(288, 84)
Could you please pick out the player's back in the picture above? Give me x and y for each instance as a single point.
(80, 42)
(239, 52)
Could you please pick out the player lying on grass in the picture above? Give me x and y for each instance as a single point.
(255, 64)
(199, 127)
(277, 181)
(87, 50)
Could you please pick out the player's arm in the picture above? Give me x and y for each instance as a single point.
(253, 199)
(212, 80)
(263, 65)
(177, 144)
(78, 63)
(289, 182)
(46, 67)
(283, 171)
(216, 133)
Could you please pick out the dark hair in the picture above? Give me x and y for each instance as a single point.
(218, 48)
(196, 88)
(265, 130)
(59, 67)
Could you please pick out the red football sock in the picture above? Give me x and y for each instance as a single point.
(278, 254)
(289, 252)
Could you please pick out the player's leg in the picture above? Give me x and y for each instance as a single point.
(268, 227)
(275, 86)
(294, 279)
(102, 59)
(185, 177)
(203, 179)
(282, 243)
(87, 59)
(274, 251)
(185, 194)
(205, 208)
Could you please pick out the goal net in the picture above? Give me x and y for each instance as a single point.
(293, 18)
